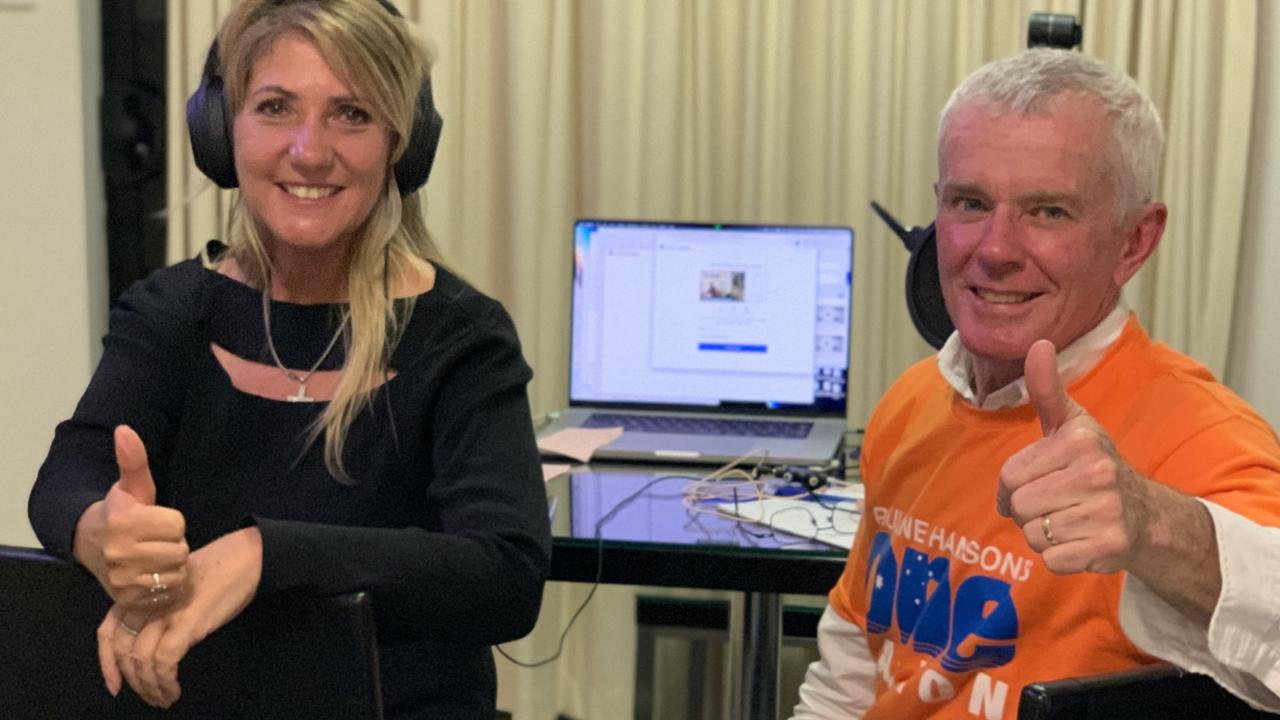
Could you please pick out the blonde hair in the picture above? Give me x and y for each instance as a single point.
(368, 48)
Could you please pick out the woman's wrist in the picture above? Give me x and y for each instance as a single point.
(86, 542)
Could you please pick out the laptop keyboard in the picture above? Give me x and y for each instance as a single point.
(681, 425)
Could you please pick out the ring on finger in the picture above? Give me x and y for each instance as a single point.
(156, 586)
(1048, 529)
(125, 626)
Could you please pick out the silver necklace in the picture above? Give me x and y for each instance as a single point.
(301, 394)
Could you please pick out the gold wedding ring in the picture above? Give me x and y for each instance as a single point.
(1048, 530)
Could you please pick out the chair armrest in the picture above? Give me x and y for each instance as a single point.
(1161, 691)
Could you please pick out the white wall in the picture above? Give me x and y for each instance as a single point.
(1255, 337)
(52, 233)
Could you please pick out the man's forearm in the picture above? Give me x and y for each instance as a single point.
(1178, 556)
(841, 684)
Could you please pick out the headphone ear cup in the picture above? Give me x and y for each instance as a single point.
(209, 126)
(414, 166)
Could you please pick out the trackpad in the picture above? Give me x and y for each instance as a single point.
(675, 445)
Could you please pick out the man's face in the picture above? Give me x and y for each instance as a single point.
(1027, 243)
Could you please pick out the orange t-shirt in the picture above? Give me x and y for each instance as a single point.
(958, 609)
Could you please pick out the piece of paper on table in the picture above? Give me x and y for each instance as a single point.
(833, 521)
(578, 443)
(550, 470)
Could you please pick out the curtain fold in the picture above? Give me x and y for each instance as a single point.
(760, 111)
(1196, 60)
(197, 208)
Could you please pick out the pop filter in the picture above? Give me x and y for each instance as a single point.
(924, 288)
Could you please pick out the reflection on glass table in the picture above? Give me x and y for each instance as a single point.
(660, 510)
(656, 540)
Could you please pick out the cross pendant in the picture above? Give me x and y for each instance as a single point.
(300, 395)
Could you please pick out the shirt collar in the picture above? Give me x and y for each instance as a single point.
(956, 362)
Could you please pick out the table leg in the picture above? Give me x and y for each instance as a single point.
(755, 695)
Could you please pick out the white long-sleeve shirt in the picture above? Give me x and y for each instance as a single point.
(1240, 649)
(841, 684)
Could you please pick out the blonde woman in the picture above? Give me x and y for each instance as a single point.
(317, 405)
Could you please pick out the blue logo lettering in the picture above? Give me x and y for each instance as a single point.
(970, 621)
(883, 564)
(976, 630)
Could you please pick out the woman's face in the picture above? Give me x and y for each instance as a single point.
(310, 157)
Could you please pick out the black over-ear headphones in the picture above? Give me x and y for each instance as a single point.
(209, 124)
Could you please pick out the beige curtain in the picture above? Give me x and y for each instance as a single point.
(1196, 59)
(197, 209)
(755, 111)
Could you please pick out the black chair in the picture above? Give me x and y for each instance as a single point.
(1158, 692)
(297, 658)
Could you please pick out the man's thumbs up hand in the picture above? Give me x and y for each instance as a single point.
(1044, 388)
(1078, 502)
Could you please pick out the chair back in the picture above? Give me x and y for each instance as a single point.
(281, 658)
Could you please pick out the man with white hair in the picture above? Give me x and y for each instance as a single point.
(1054, 494)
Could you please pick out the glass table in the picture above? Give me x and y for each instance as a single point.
(628, 524)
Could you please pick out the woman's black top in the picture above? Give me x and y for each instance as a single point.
(444, 522)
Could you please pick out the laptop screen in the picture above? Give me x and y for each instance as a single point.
(737, 318)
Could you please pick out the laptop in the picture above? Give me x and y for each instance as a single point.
(706, 342)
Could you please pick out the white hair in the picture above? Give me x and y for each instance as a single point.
(1025, 83)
